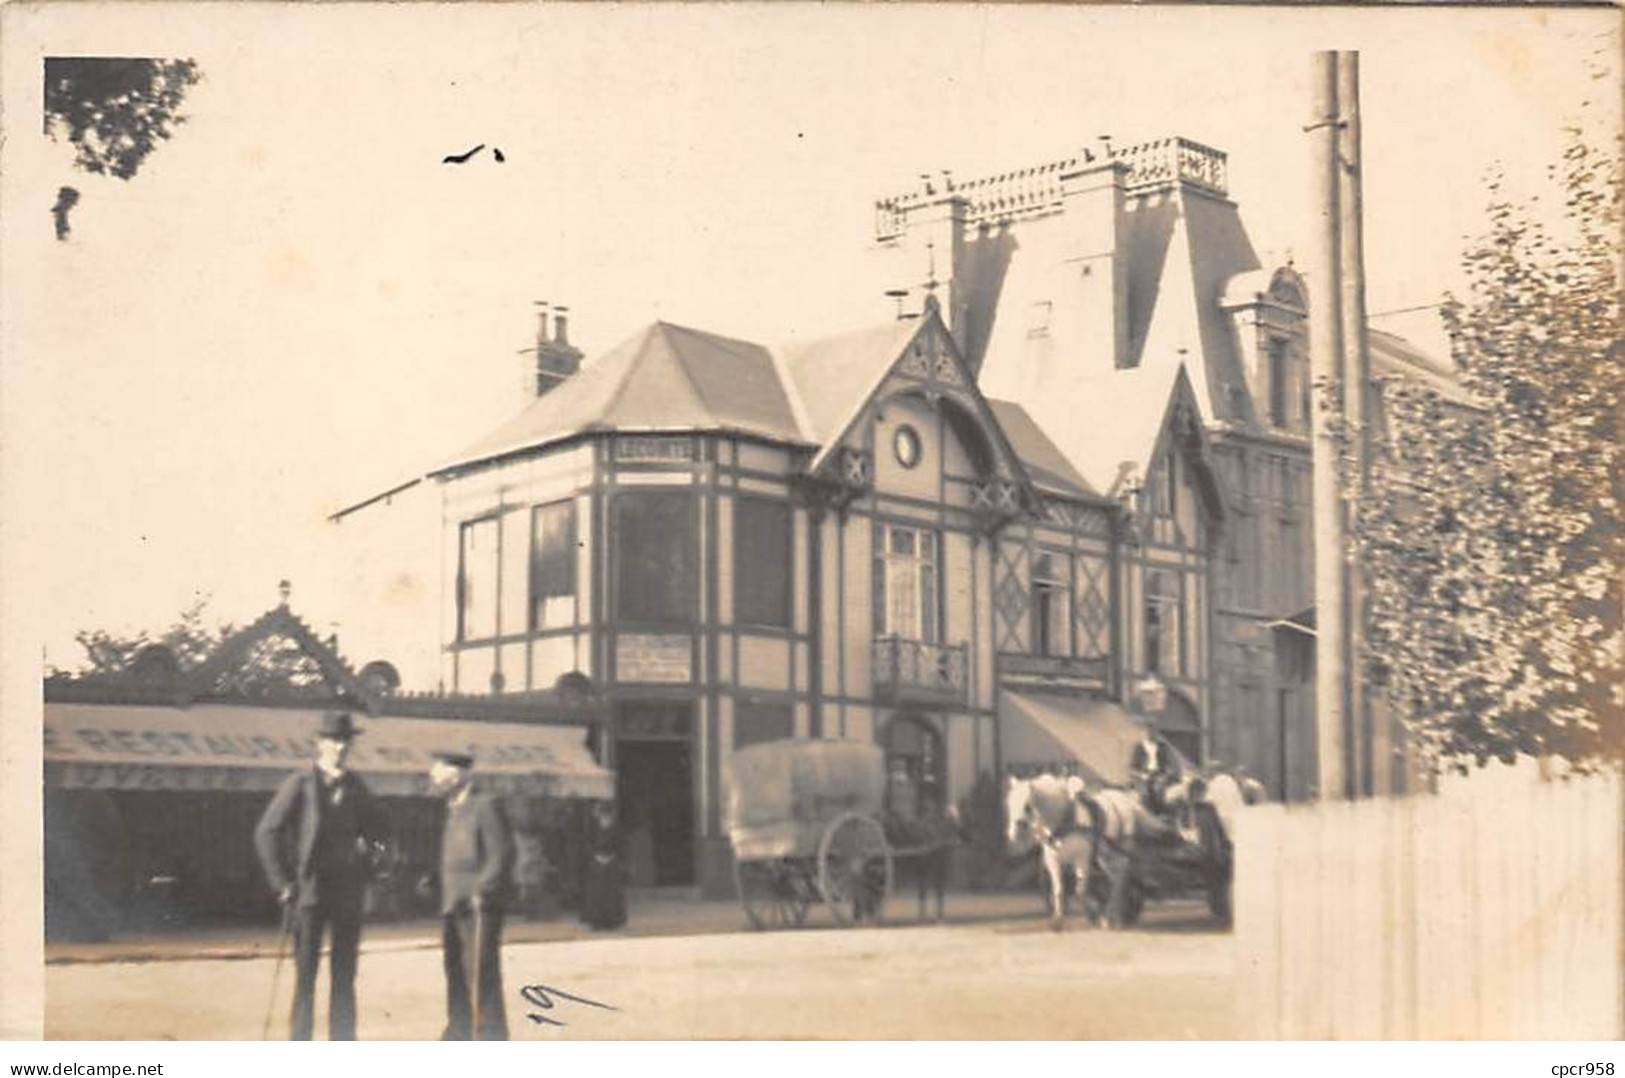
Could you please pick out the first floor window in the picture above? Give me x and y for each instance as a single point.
(905, 583)
(762, 720)
(1052, 604)
(762, 556)
(656, 556)
(553, 565)
(1163, 651)
(477, 580)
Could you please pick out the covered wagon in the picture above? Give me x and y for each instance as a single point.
(804, 818)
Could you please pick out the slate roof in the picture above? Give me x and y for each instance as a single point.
(1119, 418)
(832, 377)
(663, 378)
(1042, 458)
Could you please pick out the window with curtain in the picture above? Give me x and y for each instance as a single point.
(1163, 628)
(656, 556)
(762, 556)
(1052, 604)
(905, 582)
(553, 565)
(477, 580)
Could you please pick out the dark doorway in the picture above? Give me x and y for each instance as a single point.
(654, 785)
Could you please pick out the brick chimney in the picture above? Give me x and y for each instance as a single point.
(556, 358)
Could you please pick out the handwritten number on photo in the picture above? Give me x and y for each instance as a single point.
(542, 997)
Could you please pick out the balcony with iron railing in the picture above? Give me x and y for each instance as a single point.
(918, 672)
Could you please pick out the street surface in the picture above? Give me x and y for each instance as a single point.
(992, 977)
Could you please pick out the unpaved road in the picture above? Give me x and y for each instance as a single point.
(1003, 979)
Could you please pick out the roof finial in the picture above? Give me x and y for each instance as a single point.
(284, 588)
(931, 269)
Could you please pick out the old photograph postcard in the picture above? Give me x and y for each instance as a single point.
(814, 521)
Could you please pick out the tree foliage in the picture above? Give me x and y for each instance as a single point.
(1490, 532)
(190, 639)
(115, 110)
(274, 665)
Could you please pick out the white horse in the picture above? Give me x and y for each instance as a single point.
(1047, 812)
(1078, 829)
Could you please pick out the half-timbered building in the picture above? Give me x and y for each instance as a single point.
(840, 537)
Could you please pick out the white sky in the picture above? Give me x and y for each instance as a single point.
(295, 304)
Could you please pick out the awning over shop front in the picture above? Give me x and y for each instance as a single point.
(1039, 730)
(226, 747)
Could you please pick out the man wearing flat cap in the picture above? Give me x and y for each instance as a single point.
(476, 859)
(313, 843)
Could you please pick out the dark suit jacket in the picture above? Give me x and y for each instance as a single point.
(1167, 762)
(476, 854)
(298, 805)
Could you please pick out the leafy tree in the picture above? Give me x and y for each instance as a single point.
(114, 111)
(273, 666)
(1491, 533)
(189, 638)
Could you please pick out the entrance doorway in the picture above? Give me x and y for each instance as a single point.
(654, 786)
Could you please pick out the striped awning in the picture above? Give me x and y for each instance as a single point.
(228, 747)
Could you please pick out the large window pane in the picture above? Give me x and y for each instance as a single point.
(762, 720)
(1052, 605)
(477, 580)
(1163, 629)
(762, 556)
(553, 565)
(906, 584)
(656, 556)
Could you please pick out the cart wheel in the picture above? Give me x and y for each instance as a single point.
(773, 893)
(854, 868)
(1133, 904)
(1218, 897)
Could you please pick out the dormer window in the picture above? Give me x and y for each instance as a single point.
(1279, 376)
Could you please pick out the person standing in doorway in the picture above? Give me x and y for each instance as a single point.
(603, 901)
(476, 859)
(330, 817)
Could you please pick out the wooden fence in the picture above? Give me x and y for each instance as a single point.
(1490, 910)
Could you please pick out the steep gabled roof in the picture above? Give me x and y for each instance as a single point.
(663, 378)
(1045, 462)
(832, 377)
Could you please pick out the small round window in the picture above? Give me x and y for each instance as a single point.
(906, 443)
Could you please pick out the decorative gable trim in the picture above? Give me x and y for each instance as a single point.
(931, 368)
(279, 621)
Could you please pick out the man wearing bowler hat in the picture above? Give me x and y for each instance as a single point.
(476, 857)
(313, 842)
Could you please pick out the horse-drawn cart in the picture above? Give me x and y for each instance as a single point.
(804, 817)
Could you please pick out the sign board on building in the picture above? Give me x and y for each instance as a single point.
(225, 747)
(667, 658)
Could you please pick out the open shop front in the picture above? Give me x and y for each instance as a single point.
(150, 810)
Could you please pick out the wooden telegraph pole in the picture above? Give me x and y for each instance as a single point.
(1366, 747)
(1326, 365)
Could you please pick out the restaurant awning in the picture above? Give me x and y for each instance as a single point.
(1039, 730)
(229, 747)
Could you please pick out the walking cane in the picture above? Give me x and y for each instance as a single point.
(276, 971)
(474, 989)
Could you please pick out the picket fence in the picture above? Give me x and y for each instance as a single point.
(1490, 910)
